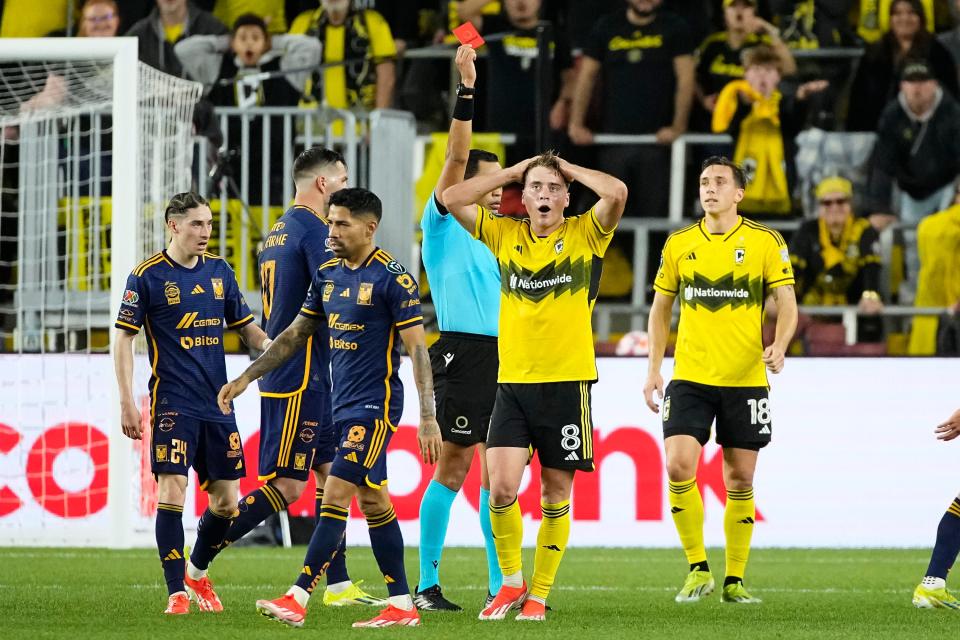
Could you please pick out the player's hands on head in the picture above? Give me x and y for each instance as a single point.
(773, 357)
(654, 383)
(466, 65)
(230, 391)
(130, 421)
(516, 171)
(429, 440)
(949, 429)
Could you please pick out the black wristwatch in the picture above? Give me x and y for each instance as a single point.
(465, 91)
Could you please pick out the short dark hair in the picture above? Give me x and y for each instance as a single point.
(358, 201)
(762, 55)
(250, 20)
(475, 158)
(739, 177)
(183, 202)
(314, 159)
(548, 160)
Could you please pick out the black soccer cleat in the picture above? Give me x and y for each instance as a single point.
(432, 600)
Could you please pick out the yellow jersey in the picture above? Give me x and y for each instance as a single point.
(547, 290)
(722, 281)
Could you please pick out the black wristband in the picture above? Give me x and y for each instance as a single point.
(464, 109)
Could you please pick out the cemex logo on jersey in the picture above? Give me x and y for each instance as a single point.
(722, 292)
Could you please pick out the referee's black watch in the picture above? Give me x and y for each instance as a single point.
(465, 91)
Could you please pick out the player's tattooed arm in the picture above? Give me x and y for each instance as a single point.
(428, 434)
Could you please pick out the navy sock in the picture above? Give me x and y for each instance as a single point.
(948, 542)
(255, 507)
(337, 571)
(211, 532)
(387, 542)
(169, 531)
(324, 543)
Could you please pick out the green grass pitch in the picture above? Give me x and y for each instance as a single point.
(606, 593)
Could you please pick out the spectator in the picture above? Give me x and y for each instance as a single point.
(230, 68)
(580, 19)
(874, 18)
(814, 24)
(166, 25)
(720, 57)
(764, 124)
(836, 258)
(876, 81)
(403, 16)
(31, 19)
(99, 19)
(916, 149)
(644, 57)
(362, 39)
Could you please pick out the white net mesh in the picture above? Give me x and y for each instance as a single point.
(56, 207)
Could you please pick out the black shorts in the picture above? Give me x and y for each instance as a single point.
(296, 434)
(742, 414)
(465, 369)
(212, 448)
(552, 417)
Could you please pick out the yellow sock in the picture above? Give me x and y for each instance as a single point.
(738, 527)
(507, 525)
(686, 506)
(551, 543)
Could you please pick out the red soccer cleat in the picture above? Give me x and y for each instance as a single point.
(284, 609)
(178, 604)
(533, 610)
(507, 598)
(202, 592)
(392, 616)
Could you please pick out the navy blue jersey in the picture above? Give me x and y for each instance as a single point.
(365, 309)
(184, 312)
(291, 254)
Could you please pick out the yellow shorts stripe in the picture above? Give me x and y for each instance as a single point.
(376, 442)
(284, 432)
(297, 400)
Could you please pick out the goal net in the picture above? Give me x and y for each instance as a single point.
(93, 145)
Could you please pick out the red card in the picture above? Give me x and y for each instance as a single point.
(468, 34)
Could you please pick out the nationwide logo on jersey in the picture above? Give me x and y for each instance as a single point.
(365, 293)
(554, 278)
(725, 291)
(217, 284)
(172, 292)
(327, 291)
(131, 297)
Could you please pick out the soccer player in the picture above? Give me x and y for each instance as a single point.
(368, 301)
(296, 433)
(722, 268)
(466, 295)
(550, 274)
(185, 297)
(932, 591)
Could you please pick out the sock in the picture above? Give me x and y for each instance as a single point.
(402, 602)
(434, 517)
(387, 542)
(337, 571)
(324, 542)
(686, 506)
(169, 532)
(738, 529)
(300, 595)
(255, 507)
(507, 526)
(931, 582)
(494, 577)
(551, 543)
(211, 532)
(948, 542)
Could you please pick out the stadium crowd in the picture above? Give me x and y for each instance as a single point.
(766, 72)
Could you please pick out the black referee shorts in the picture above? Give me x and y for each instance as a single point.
(465, 369)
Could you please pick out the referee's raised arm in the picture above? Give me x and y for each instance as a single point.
(461, 127)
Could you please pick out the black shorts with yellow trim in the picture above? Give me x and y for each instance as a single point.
(296, 434)
(362, 449)
(553, 418)
(213, 448)
(742, 414)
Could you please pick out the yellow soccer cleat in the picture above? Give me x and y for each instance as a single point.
(927, 598)
(698, 584)
(736, 594)
(352, 595)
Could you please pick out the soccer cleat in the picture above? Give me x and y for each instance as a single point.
(350, 596)
(284, 609)
(736, 594)
(533, 610)
(699, 584)
(489, 600)
(926, 598)
(178, 604)
(507, 598)
(432, 600)
(202, 592)
(392, 616)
